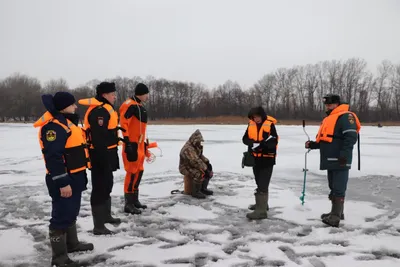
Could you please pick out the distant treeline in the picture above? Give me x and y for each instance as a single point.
(294, 93)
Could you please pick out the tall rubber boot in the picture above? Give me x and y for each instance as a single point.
(327, 214)
(129, 206)
(136, 201)
(99, 219)
(260, 211)
(337, 209)
(59, 257)
(73, 244)
(196, 191)
(204, 186)
(253, 206)
(109, 217)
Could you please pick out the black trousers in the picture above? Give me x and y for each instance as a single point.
(102, 184)
(263, 175)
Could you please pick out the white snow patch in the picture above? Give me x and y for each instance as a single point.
(15, 244)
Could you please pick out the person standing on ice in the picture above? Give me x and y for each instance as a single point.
(66, 159)
(262, 139)
(335, 140)
(194, 165)
(134, 120)
(101, 126)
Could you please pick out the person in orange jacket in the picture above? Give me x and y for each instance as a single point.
(133, 119)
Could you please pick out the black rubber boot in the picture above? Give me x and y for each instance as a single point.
(129, 206)
(59, 257)
(196, 190)
(324, 215)
(260, 211)
(253, 206)
(73, 244)
(204, 186)
(333, 219)
(136, 201)
(99, 213)
(109, 217)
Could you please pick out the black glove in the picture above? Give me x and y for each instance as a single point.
(131, 151)
(311, 145)
(342, 161)
(250, 143)
(209, 167)
(269, 144)
(208, 174)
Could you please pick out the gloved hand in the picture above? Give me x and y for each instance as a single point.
(270, 143)
(208, 174)
(250, 143)
(342, 161)
(311, 145)
(209, 166)
(131, 151)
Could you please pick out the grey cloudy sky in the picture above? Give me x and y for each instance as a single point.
(200, 41)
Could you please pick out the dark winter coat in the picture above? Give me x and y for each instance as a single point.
(264, 148)
(345, 137)
(100, 134)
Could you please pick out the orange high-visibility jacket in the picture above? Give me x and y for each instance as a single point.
(258, 136)
(135, 132)
(93, 103)
(327, 128)
(76, 155)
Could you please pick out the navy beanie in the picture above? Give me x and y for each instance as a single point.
(141, 89)
(105, 87)
(62, 100)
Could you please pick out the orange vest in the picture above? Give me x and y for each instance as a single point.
(136, 132)
(258, 137)
(76, 154)
(112, 124)
(327, 128)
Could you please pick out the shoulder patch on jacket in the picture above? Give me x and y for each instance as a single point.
(51, 135)
(100, 121)
(351, 118)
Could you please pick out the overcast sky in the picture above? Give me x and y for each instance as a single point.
(200, 41)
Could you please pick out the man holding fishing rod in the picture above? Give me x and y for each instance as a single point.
(336, 138)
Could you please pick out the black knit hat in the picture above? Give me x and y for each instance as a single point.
(62, 100)
(105, 87)
(331, 99)
(141, 89)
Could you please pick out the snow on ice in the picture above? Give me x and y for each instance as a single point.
(177, 230)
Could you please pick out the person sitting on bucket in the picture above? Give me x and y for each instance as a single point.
(196, 168)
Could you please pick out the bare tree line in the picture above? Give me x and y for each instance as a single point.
(292, 93)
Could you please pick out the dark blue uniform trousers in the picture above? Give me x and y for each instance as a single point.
(64, 210)
(337, 180)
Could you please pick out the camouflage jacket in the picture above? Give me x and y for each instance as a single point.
(191, 156)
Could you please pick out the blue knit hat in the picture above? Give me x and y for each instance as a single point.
(62, 100)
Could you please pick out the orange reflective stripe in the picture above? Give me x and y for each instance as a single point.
(327, 128)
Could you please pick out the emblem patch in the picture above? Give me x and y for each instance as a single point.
(50, 135)
(100, 121)
(351, 118)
